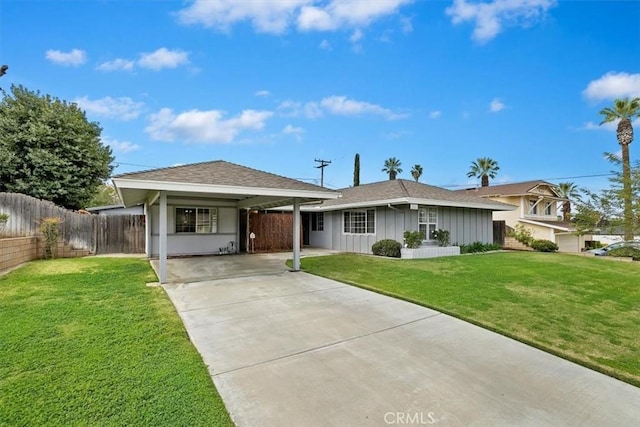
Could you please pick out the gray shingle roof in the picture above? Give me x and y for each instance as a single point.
(220, 172)
(515, 189)
(381, 192)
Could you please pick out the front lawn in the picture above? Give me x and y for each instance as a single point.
(85, 342)
(584, 309)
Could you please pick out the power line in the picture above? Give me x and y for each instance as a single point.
(323, 164)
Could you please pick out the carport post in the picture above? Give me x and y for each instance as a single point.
(163, 237)
(296, 234)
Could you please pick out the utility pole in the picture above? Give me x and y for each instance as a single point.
(323, 164)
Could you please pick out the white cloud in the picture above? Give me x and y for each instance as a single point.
(163, 58)
(118, 108)
(613, 85)
(343, 106)
(407, 25)
(121, 146)
(435, 114)
(295, 131)
(356, 36)
(310, 110)
(325, 45)
(491, 17)
(611, 126)
(118, 64)
(203, 126)
(73, 58)
(336, 105)
(496, 105)
(268, 16)
(262, 93)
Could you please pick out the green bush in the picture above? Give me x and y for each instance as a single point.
(627, 251)
(542, 245)
(442, 236)
(387, 247)
(413, 239)
(478, 247)
(522, 234)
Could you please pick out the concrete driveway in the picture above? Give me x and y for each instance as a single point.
(292, 349)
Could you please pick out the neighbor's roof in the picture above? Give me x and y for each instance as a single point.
(251, 187)
(402, 191)
(515, 189)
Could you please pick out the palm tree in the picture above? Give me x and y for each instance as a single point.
(392, 167)
(484, 168)
(624, 110)
(567, 190)
(416, 172)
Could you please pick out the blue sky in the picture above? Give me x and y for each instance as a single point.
(274, 85)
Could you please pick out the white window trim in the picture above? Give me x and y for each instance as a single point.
(196, 208)
(364, 210)
(427, 209)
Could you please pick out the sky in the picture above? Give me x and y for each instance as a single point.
(275, 85)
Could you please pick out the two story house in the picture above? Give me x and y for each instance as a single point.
(538, 204)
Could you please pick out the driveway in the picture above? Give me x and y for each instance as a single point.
(292, 349)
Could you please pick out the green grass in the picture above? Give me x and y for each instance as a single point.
(85, 342)
(584, 309)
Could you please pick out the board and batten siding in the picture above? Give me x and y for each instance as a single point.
(194, 243)
(466, 226)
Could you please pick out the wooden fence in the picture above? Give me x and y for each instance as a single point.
(273, 231)
(499, 232)
(98, 234)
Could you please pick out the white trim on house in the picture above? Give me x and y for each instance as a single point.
(407, 201)
(544, 224)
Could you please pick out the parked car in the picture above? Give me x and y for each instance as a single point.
(606, 249)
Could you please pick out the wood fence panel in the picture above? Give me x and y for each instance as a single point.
(499, 232)
(95, 233)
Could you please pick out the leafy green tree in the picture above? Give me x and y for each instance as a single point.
(356, 170)
(569, 191)
(484, 168)
(623, 111)
(49, 150)
(105, 195)
(416, 172)
(392, 167)
(595, 213)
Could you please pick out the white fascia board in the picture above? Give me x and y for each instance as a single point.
(410, 201)
(122, 183)
(544, 224)
(456, 204)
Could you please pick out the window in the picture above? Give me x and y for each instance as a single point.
(427, 222)
(533, 207)
(547, 208)
(196, 220)
(317, 221)
(360, 222)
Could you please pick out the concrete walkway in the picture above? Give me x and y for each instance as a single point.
(292, 349)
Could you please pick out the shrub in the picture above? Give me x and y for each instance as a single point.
(387, 247)
(522, 234)
(542, 245)
(627, 251)
(478, 247)
(413, 239)
(49, 228)
(442, 236)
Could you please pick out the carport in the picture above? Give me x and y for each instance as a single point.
(223, 191)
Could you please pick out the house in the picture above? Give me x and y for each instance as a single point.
(197, 208)
(368, 213)
(537, 204)
(116, 210)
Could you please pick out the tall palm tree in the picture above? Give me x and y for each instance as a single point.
(392, 167)
(416, 172)
(569, 191)
(624, 110)
(484, 168)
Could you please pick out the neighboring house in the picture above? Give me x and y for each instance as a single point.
(197, 208)
(116, 210)
(537, 204)
(368, 213)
